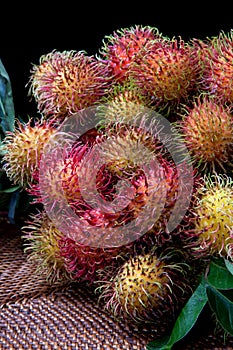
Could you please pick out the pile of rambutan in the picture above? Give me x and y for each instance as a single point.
(160, 159)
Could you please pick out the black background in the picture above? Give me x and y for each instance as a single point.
(32, 32)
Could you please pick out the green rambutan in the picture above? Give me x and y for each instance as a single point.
(168, 71)
(212, 218)
(207, 127)
(145, 288)
(66, 82)
(121, 48)
(41, 243)
(23, 149)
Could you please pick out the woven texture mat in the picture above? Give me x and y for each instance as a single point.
(36, 315)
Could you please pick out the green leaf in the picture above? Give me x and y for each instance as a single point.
(12, 206)
(10, 189)
(229, 266)
(185, 320)
(160, 343)
(222, 307)
(7, 112)
(219, 276)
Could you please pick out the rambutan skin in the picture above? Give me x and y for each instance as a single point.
(212, 218)
(217, 56)
(168, 71)
(23, 150)
(67, 82)
(63, 180)
(207, 127)
(82, 261)
(41, 244)
(61, 176)
(124, 103)
(159, 229)
(121, 48)
(145, 288)
(158, 188)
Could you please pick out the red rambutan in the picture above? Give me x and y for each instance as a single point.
(82, 261)
(217, 56)
(167, 70)
(67, 82)
(121, 48)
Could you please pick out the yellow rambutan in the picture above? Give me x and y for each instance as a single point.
(41, 242)
(213, 218)
(217, 56)
(23, 150)
(124, 103)
(146, 287)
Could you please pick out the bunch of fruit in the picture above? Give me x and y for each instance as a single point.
(137, 76)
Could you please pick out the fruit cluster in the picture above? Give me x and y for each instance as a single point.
(137, 75)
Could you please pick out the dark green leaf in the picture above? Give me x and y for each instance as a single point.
(159, 344)
(219, 276)
(11, 189)
(12, 206)
(222, 307)
(229, 266)
(218, 261)
(185, 320)
(7, 113)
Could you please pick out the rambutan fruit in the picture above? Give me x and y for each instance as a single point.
(115, 187)
(60, 177)
(69, 173)
(167, 71)
(145, 288)
(41, 243)
(207, 127)
(61, 258)
(217, 56)
(131, 155)
(128, 146)
(63, 192)
(23, 149)
(212, 220)
(67, 82)
(82, 261)
(133, 146)
(128, 150)
(124, 103)
(172, 188)
(121, 48)
(128, 205)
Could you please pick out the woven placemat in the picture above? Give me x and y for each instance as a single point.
(37, 315)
